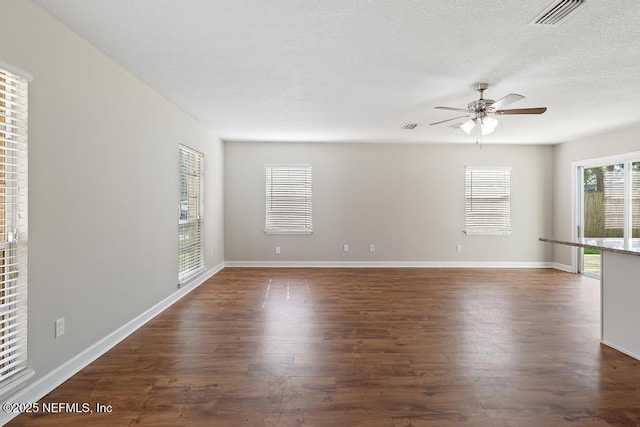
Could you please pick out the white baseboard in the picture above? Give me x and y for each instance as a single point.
(621, 350)
(564, 267)
(41, 387)
(386, 264)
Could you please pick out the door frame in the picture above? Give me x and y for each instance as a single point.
(577, 200)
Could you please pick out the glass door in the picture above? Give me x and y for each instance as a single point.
(602, 213)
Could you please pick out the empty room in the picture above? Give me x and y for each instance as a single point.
(319, 213)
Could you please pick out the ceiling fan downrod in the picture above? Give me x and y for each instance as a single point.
(481, 87)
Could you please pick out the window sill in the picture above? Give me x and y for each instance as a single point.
(189, 275)
(15, 384)
(486, 233)
(288, 231)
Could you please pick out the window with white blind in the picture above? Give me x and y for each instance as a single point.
(13, 227)
(610, 197)
(614, 195)
(190, 244)
(487, 194)
(288, 199)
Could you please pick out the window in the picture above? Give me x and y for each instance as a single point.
(635, 204)
(288, 199)
(13, 226)
(614, 198)
(487, 194)
(190, 258)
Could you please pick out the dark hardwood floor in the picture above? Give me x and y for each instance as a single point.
(370, 347)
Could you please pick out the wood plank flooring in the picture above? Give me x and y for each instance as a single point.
(365, 347)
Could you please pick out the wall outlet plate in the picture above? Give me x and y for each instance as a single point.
(59, 331)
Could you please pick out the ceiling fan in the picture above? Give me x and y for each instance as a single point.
(479, 112)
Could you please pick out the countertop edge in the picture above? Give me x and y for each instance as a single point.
(586, 245)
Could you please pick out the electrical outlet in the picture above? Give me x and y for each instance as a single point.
(59, 327)
(345, 248)
(372, 248)
(277, 249)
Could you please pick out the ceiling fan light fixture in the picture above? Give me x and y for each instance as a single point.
(488, 125)
(468, 126)
(479, 112)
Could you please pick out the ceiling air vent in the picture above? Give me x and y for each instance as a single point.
(410, 126)
(557, 12)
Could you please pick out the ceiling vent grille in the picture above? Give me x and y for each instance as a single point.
(558, 12)
(410, 126)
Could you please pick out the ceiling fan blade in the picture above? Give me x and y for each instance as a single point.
(448, 120)
(539, 110)
(452, 109)
(506, 100)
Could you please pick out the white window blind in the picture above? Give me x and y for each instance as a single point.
(635, 199)
(190, 250)
(13, 226)
(288, 199)
(487, 208)
(614, 199)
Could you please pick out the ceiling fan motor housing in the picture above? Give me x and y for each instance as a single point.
(480, 106)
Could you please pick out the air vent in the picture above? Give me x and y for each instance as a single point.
(410, 126)
(558, 12)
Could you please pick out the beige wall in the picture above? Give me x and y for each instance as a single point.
(408, 200)
(607, 144)
(103, 187)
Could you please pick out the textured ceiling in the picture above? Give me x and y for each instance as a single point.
(358, 70)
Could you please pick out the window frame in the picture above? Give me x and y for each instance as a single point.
(473, 222)
(190, 214)
(303, 193)
(14, 369)
(631, 180)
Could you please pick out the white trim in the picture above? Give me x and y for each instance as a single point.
(564, 267)
(507, 168)
(287, 165)
(487, 232)
(285, 231)
(576, 208)
(606, 160)
(387, 264)
(200, 276)
(17, 71)
(192, 150)
(621, 350)
(40, 388)
(16, 383)
(601, 299)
